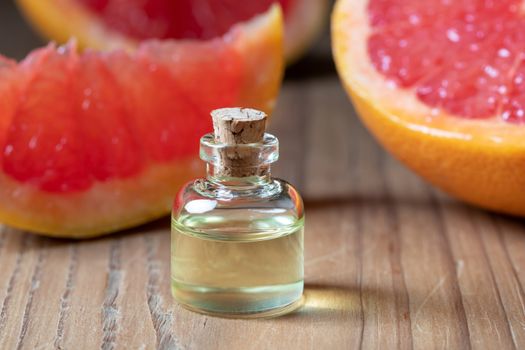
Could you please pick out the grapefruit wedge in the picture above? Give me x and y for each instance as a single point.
(96, 142)
(441, 84)
(107, 24)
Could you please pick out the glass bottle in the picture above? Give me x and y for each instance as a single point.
(237, 235)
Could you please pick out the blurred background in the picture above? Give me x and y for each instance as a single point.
(16, 37)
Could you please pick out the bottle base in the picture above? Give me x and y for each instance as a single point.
(247, 302)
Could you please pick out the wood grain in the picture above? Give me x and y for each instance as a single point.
(390, 261)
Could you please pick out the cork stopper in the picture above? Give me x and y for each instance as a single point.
(235, 127)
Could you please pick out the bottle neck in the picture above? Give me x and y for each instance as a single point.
(239, 177)
(240, 169)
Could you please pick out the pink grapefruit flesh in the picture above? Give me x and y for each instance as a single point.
(465, 57)
(197, 19)
(94, 142)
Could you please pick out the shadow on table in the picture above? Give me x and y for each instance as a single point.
(34, 242)
(357, 202)
(388, 202)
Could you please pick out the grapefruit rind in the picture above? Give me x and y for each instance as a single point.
(476, 160)
(116, 204)
(119, 204)
(61, 20)
(261, 93)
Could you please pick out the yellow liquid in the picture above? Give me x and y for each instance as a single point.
(237, 275)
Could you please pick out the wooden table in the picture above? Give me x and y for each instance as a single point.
(390, 262)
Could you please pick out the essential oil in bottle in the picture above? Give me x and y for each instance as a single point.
(237, 235)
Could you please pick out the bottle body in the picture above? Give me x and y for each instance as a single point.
(238, 250)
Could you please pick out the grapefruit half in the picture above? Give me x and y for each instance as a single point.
(95, 142)
(107, 24)
(441, 84)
